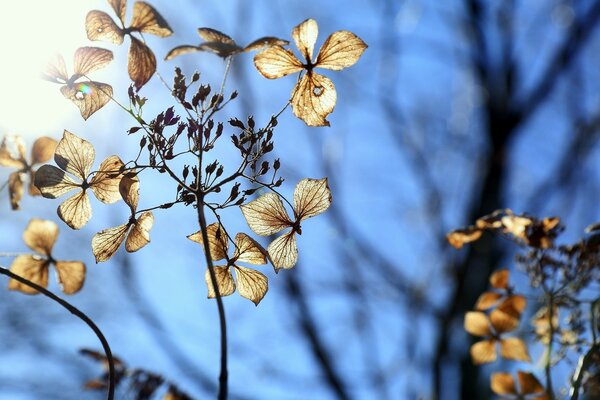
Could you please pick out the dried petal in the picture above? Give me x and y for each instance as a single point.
(276, 62)
(217, 241)
(89, 59)
(106, 242)
(503, 322)
(213, 35)
(513, 305)
(224, 282)
(514, 349)
(499, 279)
(53, 182)
(76, 211)
(311, 197)
(457, 238)
(32, 268)
(503, 383)
(120, 7)
(100, 26)
(43, 150)
(179, 50)
(267, 41)
(283, 251)
(147, 20)
(477, 323)
(71, 275)
(251, 284)
(139, 236)
(221, 49)
(89, 96)
(40, 236)
(129, 188)
(487, 300)
(266, 215)
(305, 35)
(341, 49)
(248, 250)
(73, 155)
(56, 70)
(529, 384)
(105, 183)
(15, 190)
(313, 99)
(483, 352)
(7, 159)
(141, 64)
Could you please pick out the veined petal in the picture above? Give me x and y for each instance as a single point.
(32, 268)
(43, 150)
(106, 242)
(266, 41)
(147, 20)
(311, 197)
(129, 188)
(276, 62)
(248, 250)
(100, 26)
(180, 50)
(503, 383)
(224, 282)
(88, 59)
(251, 284)
(74, 155)
(139, 236)
(141, 63)
(213, 35)
(484, 351)
(217, 241)
(56, 70)
(266, 215)
(53, 182)
(283, 251)
(76, 211)
(71, 275)
(105, 183)
(120, 7)
(15, 190)
(223, 50)
(313, 99)
(40, 236)
(88, 96)
(305, 36)
(341, 49)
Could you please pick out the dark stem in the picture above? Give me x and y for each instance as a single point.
(213, 279)
(548, 367)
(79, 314)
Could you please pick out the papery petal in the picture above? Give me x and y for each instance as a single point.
(311, 197)
(105, 183)
(40, 236)
(313, 99)
(100, 26)
(88, 96)
(147, 20)
(514, 349)
(248, 250)
(477, 323)
(142, 63)
(305, 36)
(76, 211)
(483, 352)
(224, 282)
(139, 236)
(53, 182)
(74, 155)
(341, 49)
(43, 149)
(32, 268)
(251, 284)
(71, 275)
(88, 59)
(180, 50)
(106, 242)
(283, 251)
(217, 241)
(276, 62)
(503, 383)
(15, 190)
(266, 215)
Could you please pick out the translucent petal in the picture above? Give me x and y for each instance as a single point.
(311, 198)
(313, 99)
(483, 352)
(139, 236)
(53, 182)
(71, 275)
(88, 59)
(341, 49)
(56, 70)
(251, 284)
(499, 279)
(529, 384)
(217, 241)
(514, 349)
(129, 188)
(276, 62)
(503, 383)
(248, 250)
(213, 35)
(487, 300)
(40, 236)
(266, 215)
(88, 96)
(513, 305)
(477, 323)
(147, 20)
(74, 155)
(105, 183)
(7, 159)
(76, 211)
(503, 322)
(224, 282)
(15, 190)
(180, 50)
(142, 63)
(283, 251)
(266, 41)
(221, 49)
(43, 150)
(305, 36)
(120, 7)
(100, 26)
(457, 238)
(106, 242)
(32, 268)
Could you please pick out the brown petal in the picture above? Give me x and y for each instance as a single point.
(311, 197)
(251, 284)
(266, 215)
(33, 190)
(76, 211)
(53, 182)
(88, 96)
(516, 225)
(146, 19)
(217, 241)
(40, 236)
(513, 305)
(477, 324)
(499, 279)
(313, 99)
(341, 49)
(100, 26)
(139, 236)
(457, 238)
(283, 251)
(71, 275)
(224, 282)
(487, 300)
(248, 250)
(267, 41)
(106, 242)
(129, 188)
(120, 7)
(141, 64)
(483, 352)
(503, 383)
(179, 50)
(32, 268)
(305, 36)
(221, 49)
(105, 183)
(276, 62)
(514, 349)
(15, 190)
(503, 322)
(74, 155)
(56, 70)
(529, 384)
(7, 158)
(89, 59)
(213, 35)
(42, 150)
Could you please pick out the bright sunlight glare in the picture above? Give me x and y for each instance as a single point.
(32, 31)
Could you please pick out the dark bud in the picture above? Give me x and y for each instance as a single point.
(143, 142)
(276, 164)
(251, 122)
(219, 171)
(250, 192)
(235, 192)
(279, 182)
(233, 95)
(196, 77)
(264, 167)
(133, 130)
(273, 121)
(236, 123)
(240, 201)
(185, 172)
(166, 205)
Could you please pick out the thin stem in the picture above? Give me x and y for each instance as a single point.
(79, 314)
(584, 362)
(548, 370)
(223, 376)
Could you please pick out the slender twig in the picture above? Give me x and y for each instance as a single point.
(548, 366)
(79, 314)
(583, 364)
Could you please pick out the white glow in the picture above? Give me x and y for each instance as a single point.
(31, 32)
